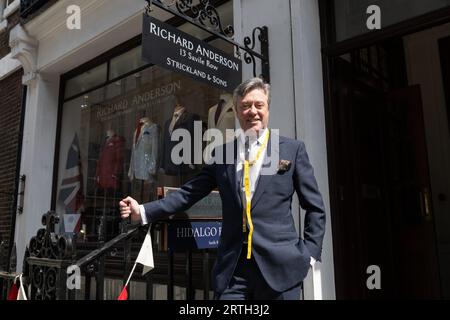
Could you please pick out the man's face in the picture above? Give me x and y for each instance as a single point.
(252, 111)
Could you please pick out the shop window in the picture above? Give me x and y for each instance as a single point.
(125, 63)
(116, 128)
(116, 141)
(87, 80)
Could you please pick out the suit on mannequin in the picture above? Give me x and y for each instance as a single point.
(144, 153)
(181, 119)
(221, 116)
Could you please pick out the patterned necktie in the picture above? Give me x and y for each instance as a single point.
(138, 131)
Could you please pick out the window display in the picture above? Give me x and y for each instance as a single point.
(119, 117)
(125, 131)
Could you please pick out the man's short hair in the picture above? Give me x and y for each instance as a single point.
(249, 85)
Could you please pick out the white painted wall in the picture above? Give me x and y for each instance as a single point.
(310, 124)
(423, 67)
(297, 93)
(104, 25)
(37, 158)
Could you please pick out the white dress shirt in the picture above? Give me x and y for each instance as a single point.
(254, 147)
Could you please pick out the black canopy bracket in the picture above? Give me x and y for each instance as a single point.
(206, 17)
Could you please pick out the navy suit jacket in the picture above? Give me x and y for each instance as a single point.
(283, 257)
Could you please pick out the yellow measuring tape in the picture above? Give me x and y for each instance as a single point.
(247, 166)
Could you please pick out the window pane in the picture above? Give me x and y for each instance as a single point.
(351, 16)
(126, 62)
(85, 81)
(124, 132)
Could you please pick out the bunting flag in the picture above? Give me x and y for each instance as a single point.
(17, 293)
(71, 191)
(124, 294)
(13, 292)
(21, 295)
(145, 257)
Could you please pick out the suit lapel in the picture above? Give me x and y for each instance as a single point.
(226, 107)
(264, 179)
(181, 119)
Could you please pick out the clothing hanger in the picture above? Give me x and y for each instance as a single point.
(145, 120)
(178, 106)
(110, 133)
(225, 96)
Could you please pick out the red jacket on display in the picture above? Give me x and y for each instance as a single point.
(110, 163)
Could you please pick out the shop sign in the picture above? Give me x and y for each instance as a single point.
(166, 46)
(189, 235)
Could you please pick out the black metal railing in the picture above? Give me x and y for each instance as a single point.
(51, 260)
(114, 260)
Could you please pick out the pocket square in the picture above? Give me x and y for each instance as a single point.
(284, 165)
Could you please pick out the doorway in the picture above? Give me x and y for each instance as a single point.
(390, 178)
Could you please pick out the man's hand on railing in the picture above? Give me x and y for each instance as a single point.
(130, 207)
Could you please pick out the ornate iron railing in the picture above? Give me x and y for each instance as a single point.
(50, 259)
(49, 256)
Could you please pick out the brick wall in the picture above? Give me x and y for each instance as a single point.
(10, 113)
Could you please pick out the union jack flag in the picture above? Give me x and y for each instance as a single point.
(71, 191)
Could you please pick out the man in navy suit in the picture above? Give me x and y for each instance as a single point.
(260, 255)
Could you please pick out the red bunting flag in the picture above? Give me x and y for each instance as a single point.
(17, 292)
(145, 257)
(13, 292)
(123, 295)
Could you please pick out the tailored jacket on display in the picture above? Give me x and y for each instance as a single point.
(144, 153)
(110, 163)
(185, 121)
(225, 121)
(282, 257)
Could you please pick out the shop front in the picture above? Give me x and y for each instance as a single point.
(100, 119)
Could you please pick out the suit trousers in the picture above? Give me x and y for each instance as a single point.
(247, 283)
